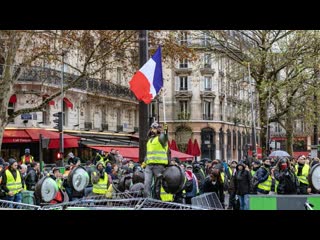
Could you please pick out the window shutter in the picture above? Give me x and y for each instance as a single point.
(189, 83)
(189, 40)
(177, 83)
(189, 63)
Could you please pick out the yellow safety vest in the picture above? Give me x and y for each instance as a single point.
(165, 197)
(102, 186)
(23, 159)
(266, 185)
(305, 172)
(253, 173)
(156, 154)
(222, 177)
(12, 184)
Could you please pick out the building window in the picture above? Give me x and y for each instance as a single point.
(207, 110)
(183, 38)
(205, 40)
(183, 83)
(183, 63)
(278, 128)
(207, 60)
(46, 115)
(221, 111)
(130, 118)
(119, 75)
(1, 65)
(207, 83)
(11, 111)
(118, 116)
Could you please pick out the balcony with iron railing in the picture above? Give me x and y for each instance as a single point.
(207, 116)
(119, 128)
(53, 77)
(183, 116)
(207, 69)
(87, 126)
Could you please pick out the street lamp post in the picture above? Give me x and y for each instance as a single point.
(252, 113)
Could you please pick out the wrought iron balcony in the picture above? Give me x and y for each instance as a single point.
(119, 128)
(52, 76)
(104, 127)
(87, 126)
(183, 116)
(207, 116)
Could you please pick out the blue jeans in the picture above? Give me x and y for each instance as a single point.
(244, 202)
(15, 198)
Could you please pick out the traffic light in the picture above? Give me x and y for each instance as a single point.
(58, 121)
(59, 156)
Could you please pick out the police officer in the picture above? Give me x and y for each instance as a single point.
(156, 159)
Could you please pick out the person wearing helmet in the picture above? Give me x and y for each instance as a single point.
(27, 158)
(156, 159)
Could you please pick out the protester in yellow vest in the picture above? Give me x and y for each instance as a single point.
(302, 171)
(103, 184)
(12, 182)
(156, 159)
(27, 158)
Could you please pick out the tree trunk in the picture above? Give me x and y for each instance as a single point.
(2, 126)
(263, 119)
(8, 81)
(289, 134)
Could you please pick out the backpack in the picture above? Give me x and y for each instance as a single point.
(188, 185)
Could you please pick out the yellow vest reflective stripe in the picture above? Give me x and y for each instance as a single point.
(266, 185)
(13, 185)
(102, 186)
(165, 197)
(276, 187)
(305, 172)
(222, 177)
(23, 159)
(156, 154)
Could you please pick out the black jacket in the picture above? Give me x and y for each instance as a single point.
(288, 183)
(242, 182)
(31, 179)
(209, 186)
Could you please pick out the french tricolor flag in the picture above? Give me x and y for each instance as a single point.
(147, 82)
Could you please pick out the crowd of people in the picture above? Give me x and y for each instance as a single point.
(110, 172)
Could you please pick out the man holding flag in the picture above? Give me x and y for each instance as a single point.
(145, 84)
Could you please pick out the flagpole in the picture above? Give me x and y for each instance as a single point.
(164, 106)
(143, 108)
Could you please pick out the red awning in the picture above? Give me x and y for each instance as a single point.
(133, 152)
(69, 141)
(16, 136)
(13, 99)
(33, 135)
(50, 102)
(67, 101)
